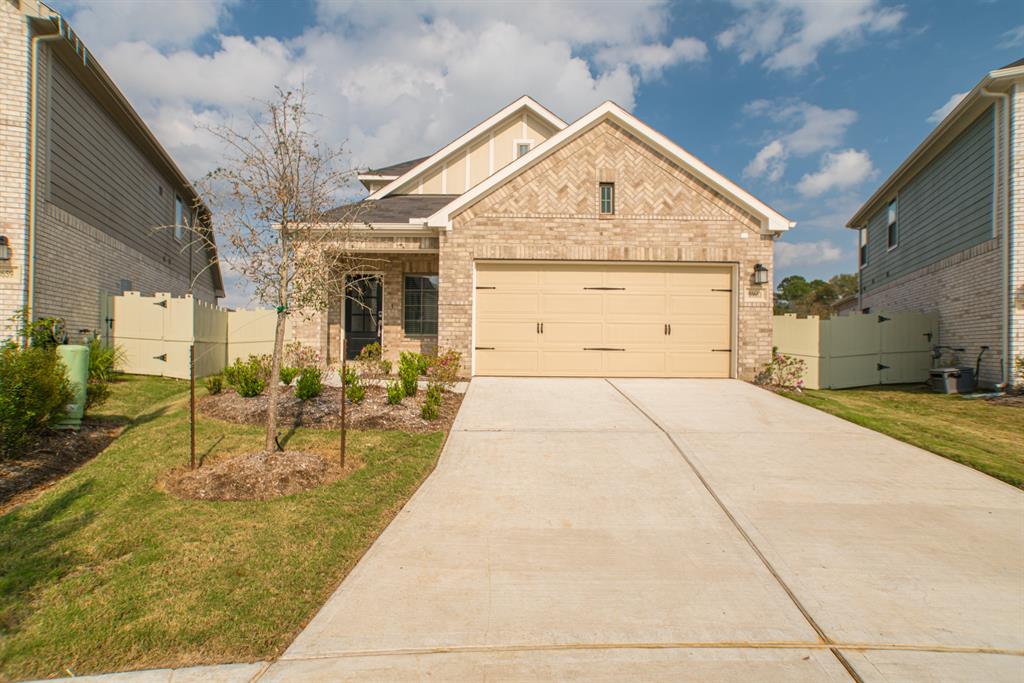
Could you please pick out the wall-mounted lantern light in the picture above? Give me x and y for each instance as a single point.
(760, 274)
(5, 251)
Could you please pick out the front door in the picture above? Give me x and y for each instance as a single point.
(363, 307)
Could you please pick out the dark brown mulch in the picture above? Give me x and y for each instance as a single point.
(324, 411)
(255, 476)
(56, 454)
(1012, 400)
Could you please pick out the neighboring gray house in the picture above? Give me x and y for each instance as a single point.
(945, 232)
(84, 186)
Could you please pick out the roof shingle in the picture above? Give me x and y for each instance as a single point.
(394, 208)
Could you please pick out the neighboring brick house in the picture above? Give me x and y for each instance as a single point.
(534, 247)
(85, 186)
(944, 232)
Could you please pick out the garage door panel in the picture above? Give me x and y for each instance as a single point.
(697, 364)
(575, 334)
(570, 278)
(635, 363)
(555, 304)
(498, 362)
(711, 334)
(686, 306)
(496, 303)
(521, 334)
(502, 275)
(703, 279)
(630, 334)
(636, 278)
(571, 362)
(628, 304)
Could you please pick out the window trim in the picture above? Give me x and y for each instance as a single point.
(179, 218)
(600, 199)
(892, 226)
(405, 321)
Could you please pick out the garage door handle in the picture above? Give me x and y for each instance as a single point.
(600, 348)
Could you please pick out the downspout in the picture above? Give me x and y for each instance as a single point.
(33, 117)
(1004, 154)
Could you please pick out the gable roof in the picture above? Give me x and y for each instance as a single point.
(395, 208)
(771, 220)
(974, 103)
(524, 102)
(395, 170)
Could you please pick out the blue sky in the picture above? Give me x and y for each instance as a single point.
(808, 105)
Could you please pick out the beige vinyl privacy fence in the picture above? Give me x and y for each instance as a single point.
(861, 349)
(155, 333)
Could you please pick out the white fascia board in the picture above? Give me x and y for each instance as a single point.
(771, 220)
(524, 101)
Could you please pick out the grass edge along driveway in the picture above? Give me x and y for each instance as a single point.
(980, 434)
(104, 573)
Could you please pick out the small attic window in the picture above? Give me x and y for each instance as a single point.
(522, 148)
(607, 198)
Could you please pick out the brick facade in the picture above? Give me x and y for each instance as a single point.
(13, 158)
(663, 214)
(964, 290)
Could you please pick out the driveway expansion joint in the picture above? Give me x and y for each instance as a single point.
(750, 542)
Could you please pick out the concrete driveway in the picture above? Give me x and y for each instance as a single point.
(678, 530)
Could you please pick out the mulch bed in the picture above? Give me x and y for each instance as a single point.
(54, 456)
(256, 476)
(1012, 400)
(324, 411)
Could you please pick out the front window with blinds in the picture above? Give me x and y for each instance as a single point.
(421, 304)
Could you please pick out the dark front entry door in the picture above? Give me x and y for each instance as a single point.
(363, 307)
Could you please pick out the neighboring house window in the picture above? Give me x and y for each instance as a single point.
(421, 304)
(894, 229)
(863, 247)
(522, 148)
(179, 219)
(608, 198)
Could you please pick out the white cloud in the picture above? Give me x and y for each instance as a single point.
(789, 34)
(654, 58)
(949, 106)
(839, 171)
(161, 22)
(805, 253)
(1012, 38)
(391, 83)
(812, 129)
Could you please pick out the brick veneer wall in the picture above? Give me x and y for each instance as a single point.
(965, 291)
(663, 214)
(13, 158)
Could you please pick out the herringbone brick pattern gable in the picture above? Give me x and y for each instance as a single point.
(648, 184)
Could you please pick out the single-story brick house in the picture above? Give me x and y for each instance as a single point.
(536, 247)
(945, 231)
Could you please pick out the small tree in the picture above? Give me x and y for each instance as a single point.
(273, 202)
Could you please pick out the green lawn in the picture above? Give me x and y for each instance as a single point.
(104, 572)
(984, 435)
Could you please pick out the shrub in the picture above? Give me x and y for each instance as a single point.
(371, 357)
(248, 377)
(310, 384)
(408, 376)
(297, 355)
(435, 393)
(34, 391)
(414, 361)
(354, 389)
(103, 362)
(444, 368)
(287, 374)
(370, 352)
(214, 384)
(395, 393)
(430, 410)
(785, 372)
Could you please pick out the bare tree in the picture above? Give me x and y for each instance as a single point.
(272, 201)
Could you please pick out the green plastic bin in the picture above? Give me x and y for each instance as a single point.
(76, 367)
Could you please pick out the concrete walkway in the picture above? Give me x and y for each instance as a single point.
(677, 530)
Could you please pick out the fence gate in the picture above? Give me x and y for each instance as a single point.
(139, 328)
(860, 349)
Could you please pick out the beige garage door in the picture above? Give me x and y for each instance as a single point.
(601, 320)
